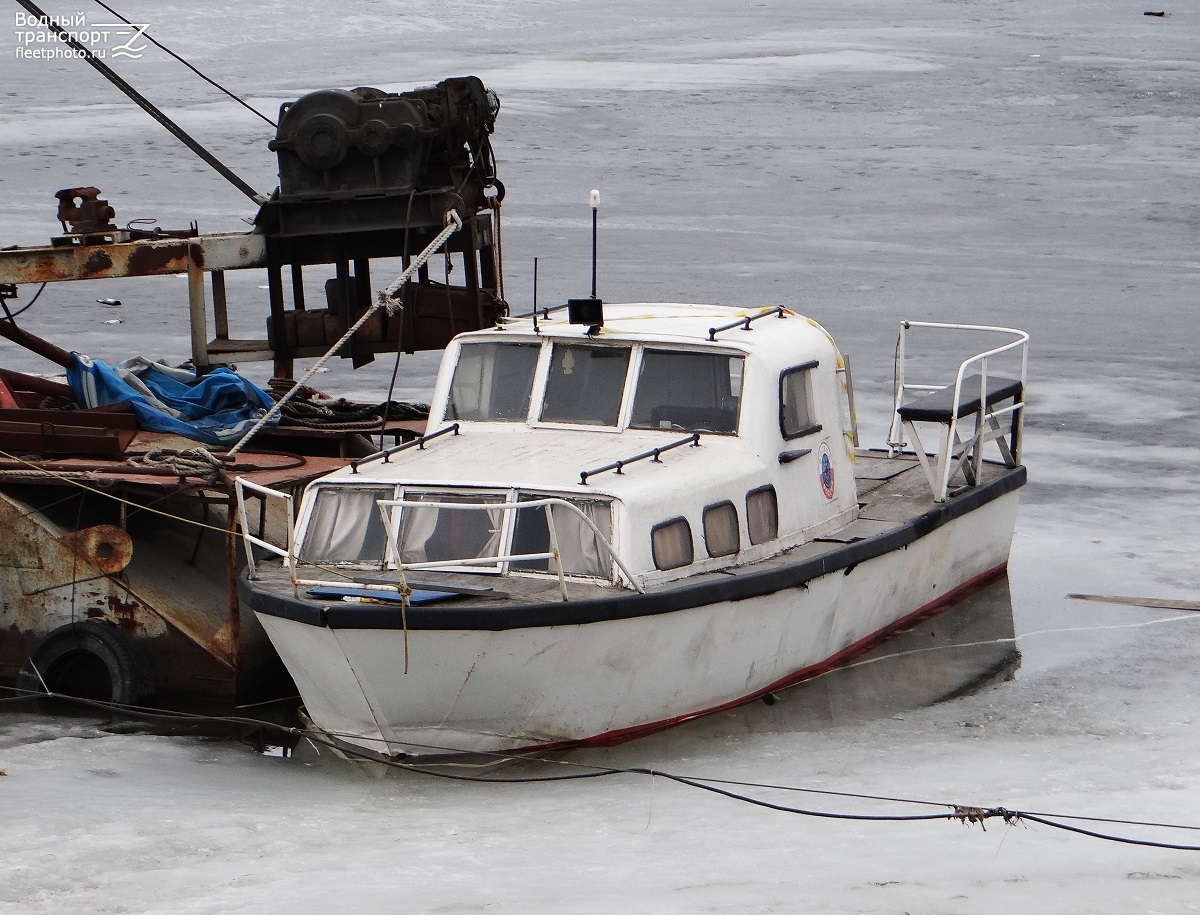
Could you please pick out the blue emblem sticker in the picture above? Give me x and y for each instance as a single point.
(825, 466)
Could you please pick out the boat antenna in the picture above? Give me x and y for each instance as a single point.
(594, 200)
(589, 311)
(144, 103)
(535, 324)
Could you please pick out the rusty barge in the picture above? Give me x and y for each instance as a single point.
(118, 566)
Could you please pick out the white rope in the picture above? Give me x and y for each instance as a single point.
(453, 224)
(191, 462)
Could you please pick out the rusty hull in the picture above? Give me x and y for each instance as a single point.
(70, 554)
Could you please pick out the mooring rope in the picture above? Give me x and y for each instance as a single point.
(966, 814)
(386, 299)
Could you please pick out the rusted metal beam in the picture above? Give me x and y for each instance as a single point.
(34, 344)
(150, 257)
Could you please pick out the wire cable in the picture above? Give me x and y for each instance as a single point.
(144, 103)
(968, 815)
(10, 315)
(207, 79)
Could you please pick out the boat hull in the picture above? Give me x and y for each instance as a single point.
(539, 686)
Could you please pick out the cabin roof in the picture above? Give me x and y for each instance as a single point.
(499, 455)
(678, 323)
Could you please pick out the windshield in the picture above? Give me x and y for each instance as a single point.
(492, 382)
(433, 534)
(585, 384)
(693, 392)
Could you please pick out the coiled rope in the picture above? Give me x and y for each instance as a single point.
(314, 409)
(189, 462)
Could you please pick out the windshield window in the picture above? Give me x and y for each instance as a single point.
(578, 549)
(585, 384)
(436, 534)
(693, 392)
(492, 382)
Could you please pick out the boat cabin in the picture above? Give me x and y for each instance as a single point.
(671, 440)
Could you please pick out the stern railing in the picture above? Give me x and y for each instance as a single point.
(976, 392)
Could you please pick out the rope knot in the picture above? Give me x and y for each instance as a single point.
(970, 816)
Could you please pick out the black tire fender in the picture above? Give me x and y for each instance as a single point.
(60, 653)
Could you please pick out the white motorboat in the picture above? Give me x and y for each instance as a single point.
(617, 525)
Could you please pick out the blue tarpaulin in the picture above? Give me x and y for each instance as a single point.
(217, 408)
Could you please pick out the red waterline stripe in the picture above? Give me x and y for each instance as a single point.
(610, 738)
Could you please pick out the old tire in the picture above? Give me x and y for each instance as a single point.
(88, 660)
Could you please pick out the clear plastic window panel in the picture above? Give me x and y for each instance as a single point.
(691, 392)
(345, 525)
(578, 549)
(493, 382)
(449, 534)
(585, 384)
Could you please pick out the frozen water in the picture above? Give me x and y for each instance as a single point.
(1007, 162)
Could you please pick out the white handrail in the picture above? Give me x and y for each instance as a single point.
(250, 541)
(1021, 338)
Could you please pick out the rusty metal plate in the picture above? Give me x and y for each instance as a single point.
(106, 546)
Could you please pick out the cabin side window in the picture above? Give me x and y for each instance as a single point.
(762, 514)
(671, 543)
(796, 417)
(345, 525)
(585, 384)
(692, 392)
(493, 382)
(721, 535)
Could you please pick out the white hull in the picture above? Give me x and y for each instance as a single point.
(481, 691)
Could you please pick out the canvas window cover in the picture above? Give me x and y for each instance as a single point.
(448, 534)
(579, 551)
(346, 526)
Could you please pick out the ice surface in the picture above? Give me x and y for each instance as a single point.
(1012, 162)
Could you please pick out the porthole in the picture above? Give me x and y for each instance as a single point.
(762, 514)
(671, 543)
(721, 534)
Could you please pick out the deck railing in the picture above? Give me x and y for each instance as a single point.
(388, 508)
(655, 455)
(987, 427)
(419, 443)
